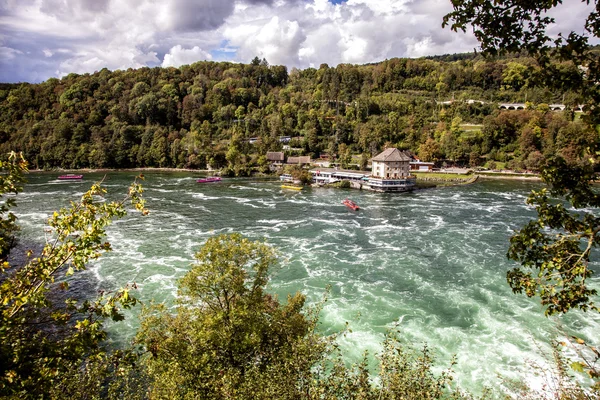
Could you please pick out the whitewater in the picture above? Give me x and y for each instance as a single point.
(431, 263)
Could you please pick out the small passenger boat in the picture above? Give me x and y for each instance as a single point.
(291, 187)
(209, 179)
(350, 204)
(69, 177)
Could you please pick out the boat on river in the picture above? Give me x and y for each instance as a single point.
(209, 179)
(350, 204)
(291, 187)
(70, 177)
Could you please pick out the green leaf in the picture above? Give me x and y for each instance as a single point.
(577, 366)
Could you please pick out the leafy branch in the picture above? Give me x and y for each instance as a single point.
(40, 339)
(11, 181)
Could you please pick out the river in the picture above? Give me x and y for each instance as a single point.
(433, 262)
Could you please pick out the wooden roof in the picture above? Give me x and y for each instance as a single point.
(275, 156)
(299, 160)
(390, 155)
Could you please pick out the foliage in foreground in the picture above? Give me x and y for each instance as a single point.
(11, 182)
(42, 337)
(554, 250)
(228, 338)
(227, 334)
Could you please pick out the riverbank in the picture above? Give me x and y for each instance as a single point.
(448, 176)
(100, 170)
(445, 177)
(453, 177)
(509, 175)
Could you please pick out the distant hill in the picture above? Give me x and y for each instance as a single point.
(205, 113)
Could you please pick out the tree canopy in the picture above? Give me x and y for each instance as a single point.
(559, 243)
(226, 116)
(555, 249)
(229, 338)
(43, 339)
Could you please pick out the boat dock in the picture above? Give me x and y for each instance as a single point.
(332, 175)
(362, 180)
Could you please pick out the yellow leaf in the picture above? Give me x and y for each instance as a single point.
(577, 366)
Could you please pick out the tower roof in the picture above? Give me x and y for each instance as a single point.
(391, 154)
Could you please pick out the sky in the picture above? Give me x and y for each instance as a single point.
(40, 39)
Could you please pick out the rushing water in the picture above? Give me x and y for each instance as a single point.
(431, 262)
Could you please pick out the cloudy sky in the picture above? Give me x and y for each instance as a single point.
(40, 39)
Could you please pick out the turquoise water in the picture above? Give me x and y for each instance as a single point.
(431, 263)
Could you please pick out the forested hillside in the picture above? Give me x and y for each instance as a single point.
(202, 114)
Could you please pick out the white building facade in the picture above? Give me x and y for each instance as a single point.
(390, 172)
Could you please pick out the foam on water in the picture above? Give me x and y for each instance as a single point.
(27, 195)
(254, 187)
(431, 263)
(203, 196)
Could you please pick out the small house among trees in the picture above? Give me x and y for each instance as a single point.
(275, 159)
(417, 165)
(301, 160)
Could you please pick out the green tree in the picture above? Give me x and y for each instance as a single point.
(299, 174)
(345, 156)
(42, 341)
(514, 76)
(237, 164)
(229, 338)
(554, 250)
(364, 160)
(430, 150)
(11, 181)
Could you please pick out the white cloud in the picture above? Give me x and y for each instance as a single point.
(7, 53)
(277, 40)
(419, 48)
(194, 15)
(87, 35)
(384, 7)
(114, 58)
(355, 49)
(179, 56)
(358, 31)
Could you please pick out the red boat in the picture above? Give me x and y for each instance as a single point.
(350, 204)
(209, 179)
(70, 177)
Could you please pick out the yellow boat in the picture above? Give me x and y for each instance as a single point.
(291, 187)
